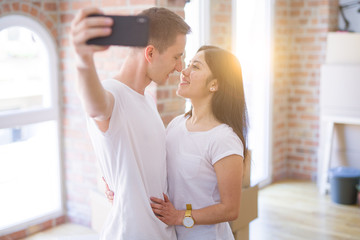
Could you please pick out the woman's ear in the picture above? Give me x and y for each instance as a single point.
(149, 52)
(213, 85)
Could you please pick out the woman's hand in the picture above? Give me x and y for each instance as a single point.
(166, 212)
(109, 194)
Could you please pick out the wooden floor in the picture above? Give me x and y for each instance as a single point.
(296, 211)
(67, 231)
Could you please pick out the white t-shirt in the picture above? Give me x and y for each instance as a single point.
(132, 157)
(191, 175)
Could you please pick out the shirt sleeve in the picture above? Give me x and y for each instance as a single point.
(114, 88)
(224, 144)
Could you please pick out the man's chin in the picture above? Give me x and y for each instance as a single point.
(162, 82)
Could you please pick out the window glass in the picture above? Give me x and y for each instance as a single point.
(24, 72)
(252, 47)
(28, 172)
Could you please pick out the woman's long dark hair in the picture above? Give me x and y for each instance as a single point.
(228, 103)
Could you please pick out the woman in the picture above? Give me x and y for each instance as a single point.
(206, 149)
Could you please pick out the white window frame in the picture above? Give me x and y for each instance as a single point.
(267, 125)
(202, 26)
(204, 22)
(202, 30)
(13, 118)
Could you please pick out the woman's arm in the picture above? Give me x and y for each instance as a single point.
(229, 172)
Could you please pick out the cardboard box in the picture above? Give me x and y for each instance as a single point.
(247, 169)
(242, 234)
(248, 208)
(248, 205)
(343, 48)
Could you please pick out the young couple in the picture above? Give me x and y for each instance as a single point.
(189, 175)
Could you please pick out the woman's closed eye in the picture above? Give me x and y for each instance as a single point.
(193, 66)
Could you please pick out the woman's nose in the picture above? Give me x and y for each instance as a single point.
(185, 71)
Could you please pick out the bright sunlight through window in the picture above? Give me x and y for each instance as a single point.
(252, 46)
(196, 15)
(29, 135)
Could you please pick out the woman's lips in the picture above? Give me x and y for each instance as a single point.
(184, 82)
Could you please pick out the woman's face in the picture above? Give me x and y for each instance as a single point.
(193, 80)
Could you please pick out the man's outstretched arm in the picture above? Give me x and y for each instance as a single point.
(97, 102)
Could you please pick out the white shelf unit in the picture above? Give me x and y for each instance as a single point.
(339, 104)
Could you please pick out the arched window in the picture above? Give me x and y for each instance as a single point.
(30, 169)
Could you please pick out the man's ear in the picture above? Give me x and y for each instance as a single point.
(213, 85)
(149, 52)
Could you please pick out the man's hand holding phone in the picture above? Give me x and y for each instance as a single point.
(84, 28)
(92, 31)
(126, 31)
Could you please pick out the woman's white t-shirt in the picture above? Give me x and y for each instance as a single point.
(132, 157)
(191, 175)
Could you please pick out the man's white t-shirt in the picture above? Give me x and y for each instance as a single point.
(191, 175)
(132, 157)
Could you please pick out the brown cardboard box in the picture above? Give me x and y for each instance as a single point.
(247, 169)
(248, 205)
(242, 234)
(248, 208)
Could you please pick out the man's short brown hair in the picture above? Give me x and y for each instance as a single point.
(165, 26)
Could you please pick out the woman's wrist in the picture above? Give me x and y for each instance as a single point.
(181, 215)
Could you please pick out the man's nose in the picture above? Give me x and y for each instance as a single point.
(178, 66)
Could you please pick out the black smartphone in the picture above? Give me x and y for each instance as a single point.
(126, 31)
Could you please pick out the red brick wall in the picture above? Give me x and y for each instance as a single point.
(282, 34)
(300, 42)
(220, 23)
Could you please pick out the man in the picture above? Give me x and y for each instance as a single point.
(126, 130)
